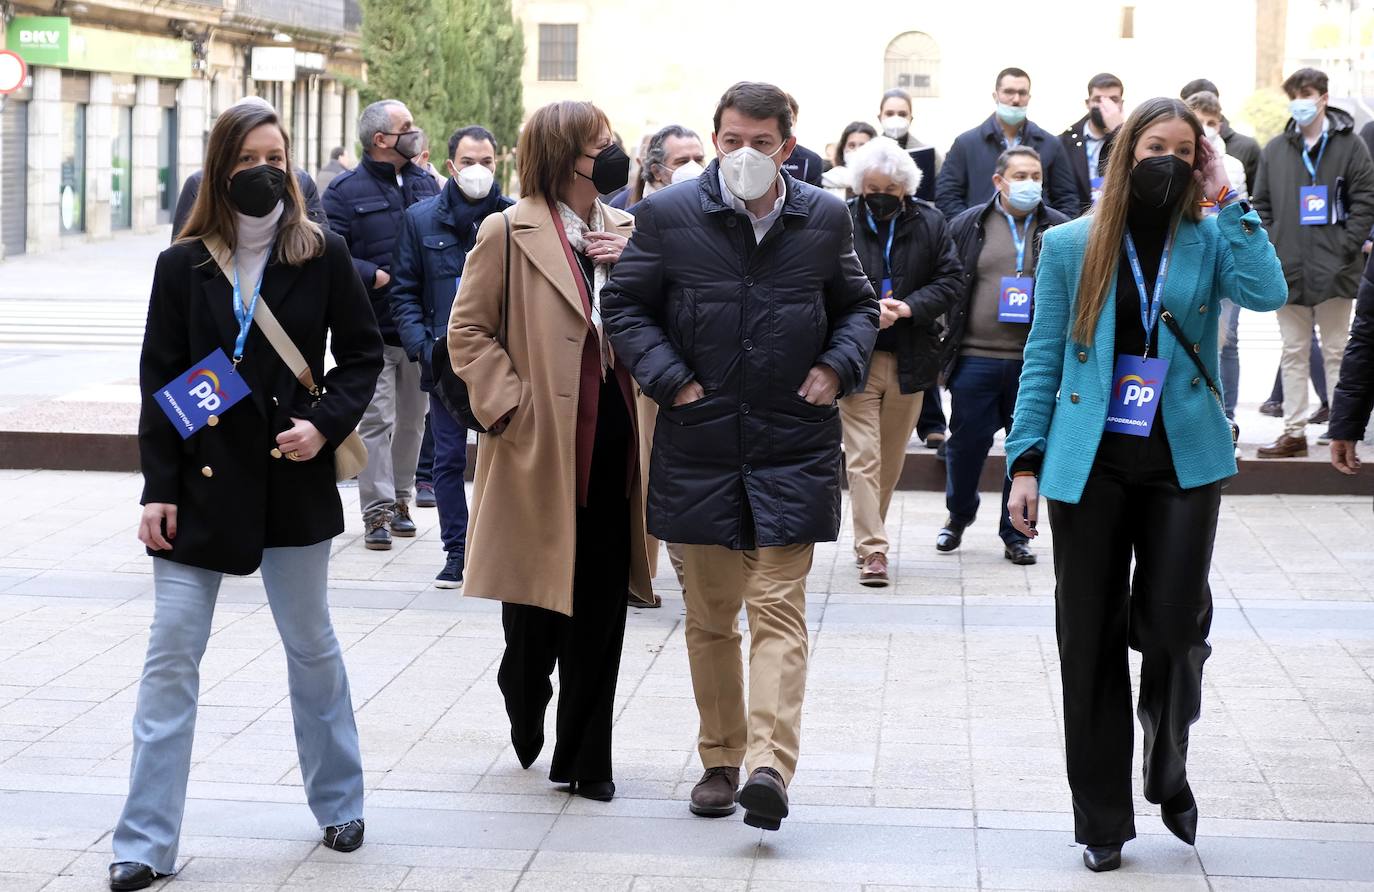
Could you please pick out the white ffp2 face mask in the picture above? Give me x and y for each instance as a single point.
(689, 171)
(749, 173)
(896, 126)
(475, 181)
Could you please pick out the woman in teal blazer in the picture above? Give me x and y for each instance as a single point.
(1118, 423)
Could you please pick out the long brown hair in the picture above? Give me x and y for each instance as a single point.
(1109, 218)
(298, 239)
(551, 142)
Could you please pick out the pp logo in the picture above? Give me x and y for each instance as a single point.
(1016, 297)
(1314, 204)
(1135, 389)
(205, 388)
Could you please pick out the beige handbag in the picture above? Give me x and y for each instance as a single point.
(350, 457)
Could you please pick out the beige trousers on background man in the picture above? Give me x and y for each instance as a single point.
(878, 422)
(771, 584)
(392, 428)
(1332, 318)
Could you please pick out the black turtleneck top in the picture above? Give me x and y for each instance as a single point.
(1148, 228)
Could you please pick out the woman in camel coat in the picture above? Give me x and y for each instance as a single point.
(557, 517)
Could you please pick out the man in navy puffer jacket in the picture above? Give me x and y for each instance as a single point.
(365, 205)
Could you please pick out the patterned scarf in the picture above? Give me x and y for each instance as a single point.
(576, 229)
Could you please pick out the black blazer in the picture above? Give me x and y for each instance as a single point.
(233, 497)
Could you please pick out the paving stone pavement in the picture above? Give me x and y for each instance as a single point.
(932, 754)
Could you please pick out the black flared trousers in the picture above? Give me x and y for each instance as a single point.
(586, 646)
(1132, 506)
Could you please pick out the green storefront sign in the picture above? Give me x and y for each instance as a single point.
(49, 40)
(39, 40)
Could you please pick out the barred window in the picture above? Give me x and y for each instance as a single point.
(558, 52)
(912, 63)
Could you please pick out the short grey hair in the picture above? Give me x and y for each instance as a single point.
(883, 155)
(657, 152)
(376, 118)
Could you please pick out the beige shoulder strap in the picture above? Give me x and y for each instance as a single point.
(285, 347)
(267, 322)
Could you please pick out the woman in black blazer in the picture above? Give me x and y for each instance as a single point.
(253, 488)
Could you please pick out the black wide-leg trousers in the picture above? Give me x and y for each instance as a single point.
(1132, 505)
(586, 646)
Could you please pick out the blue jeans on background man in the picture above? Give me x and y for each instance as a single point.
(149, 829)
(982, 397)
(1230, 357)
(450, 464)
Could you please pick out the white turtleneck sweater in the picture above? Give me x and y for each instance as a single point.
(254, 238)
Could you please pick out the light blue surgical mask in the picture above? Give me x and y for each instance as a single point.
(1011, 114)
(1025, 194)
(1304, 111)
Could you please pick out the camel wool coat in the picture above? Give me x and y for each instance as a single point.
(523, 518)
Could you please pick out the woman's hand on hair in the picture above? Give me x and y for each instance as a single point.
(605, 247)
(1211, 171)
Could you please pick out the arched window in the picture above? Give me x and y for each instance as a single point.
(912, 63)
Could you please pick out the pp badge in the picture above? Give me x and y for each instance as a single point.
(196, 398)
(1312, 206)
(1095, 186)
(1014, 300)
(887, 290)
(1136, 387)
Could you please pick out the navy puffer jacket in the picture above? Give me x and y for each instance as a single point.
(751, 465)
(366, 206)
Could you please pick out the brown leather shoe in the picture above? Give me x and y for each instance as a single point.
(1286, 446)
(714, 794)
(764, 798)
(874, 573)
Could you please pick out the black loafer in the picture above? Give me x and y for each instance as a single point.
(950, 537)
(600, 791)
(1019, 553)
(344, 837)
(1100, 859)
(127, 875)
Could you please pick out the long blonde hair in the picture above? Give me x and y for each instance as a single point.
(1109, 218)
(212, 217)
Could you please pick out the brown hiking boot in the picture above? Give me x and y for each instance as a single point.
(1286, 446)
(714, 794)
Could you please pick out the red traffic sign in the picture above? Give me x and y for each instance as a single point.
(13, 72)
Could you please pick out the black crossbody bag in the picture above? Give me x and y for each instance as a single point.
(451, 390)
(1193, 350)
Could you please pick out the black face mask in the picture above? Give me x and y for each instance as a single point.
(1159, 182)
(257, 190)
(883, 206)
(610, 169)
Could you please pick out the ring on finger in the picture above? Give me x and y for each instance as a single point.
(294, 455)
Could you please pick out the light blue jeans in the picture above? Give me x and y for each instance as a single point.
(296, 580)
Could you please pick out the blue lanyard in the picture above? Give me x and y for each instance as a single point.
(1018, 238)
(887, 251)
(244, 315)
(1150, 306)
(1307, 158)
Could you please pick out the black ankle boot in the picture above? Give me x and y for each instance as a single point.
(1180, 815)
(1102, 858)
